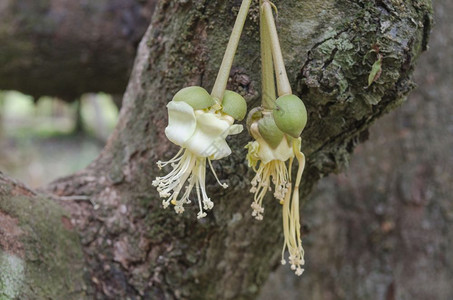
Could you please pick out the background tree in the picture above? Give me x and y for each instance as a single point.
(64, 49)
(101, 232)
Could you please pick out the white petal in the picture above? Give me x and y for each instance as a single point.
(283, 152)
(213, 124)
(208, 136)
(235, 129)
(181, 122)
(222, 149)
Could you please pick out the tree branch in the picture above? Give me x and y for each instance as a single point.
(65, 49)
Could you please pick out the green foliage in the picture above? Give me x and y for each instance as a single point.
(22, 118)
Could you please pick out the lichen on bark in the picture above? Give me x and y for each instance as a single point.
(44, 259)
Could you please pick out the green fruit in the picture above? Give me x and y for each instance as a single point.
(234, 105)
(269, 131)
(290, 115)
(195, 96)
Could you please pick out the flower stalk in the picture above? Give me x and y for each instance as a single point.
(227, 62)
(267, 67)
(283, 86)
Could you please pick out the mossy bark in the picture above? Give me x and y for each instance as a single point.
(40, 252)
(134, 248)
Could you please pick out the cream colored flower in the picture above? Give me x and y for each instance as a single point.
(269, 163)
(201, 135)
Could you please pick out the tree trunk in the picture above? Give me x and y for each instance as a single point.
(135, 249)
(40, 253)
(67, 48)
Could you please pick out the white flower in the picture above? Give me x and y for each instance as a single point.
(271, 167)
(269, 163)
(201, 135)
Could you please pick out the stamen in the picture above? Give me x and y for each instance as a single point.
(200, 214)
(171, 184)
(176, 158)
(186, 167)
(291, 220)
(274, 171)
(224, 185)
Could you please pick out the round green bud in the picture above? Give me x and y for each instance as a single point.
(290, 115)
(269, 131)
(195, 96)
(234, 105)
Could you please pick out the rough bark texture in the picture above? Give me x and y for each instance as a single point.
(133, 248)
(383, 229)
(40, 252)
(67, 48)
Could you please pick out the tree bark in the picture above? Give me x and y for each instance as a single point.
(40, 252)
(67, 48)
(132, 247)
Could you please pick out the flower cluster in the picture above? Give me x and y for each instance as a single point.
(269, 155)
(200, 122)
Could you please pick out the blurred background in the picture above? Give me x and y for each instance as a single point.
(64, 66)
(394, 200)
(48, 138)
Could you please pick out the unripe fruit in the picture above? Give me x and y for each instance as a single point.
(290, 115)
(195, 96)
(234, 105)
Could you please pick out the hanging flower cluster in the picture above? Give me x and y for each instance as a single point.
(276, 127)
(271, 156)
(199, 123)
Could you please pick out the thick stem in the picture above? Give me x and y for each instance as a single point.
(283, 86)
(267, 67)
(224, 72)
